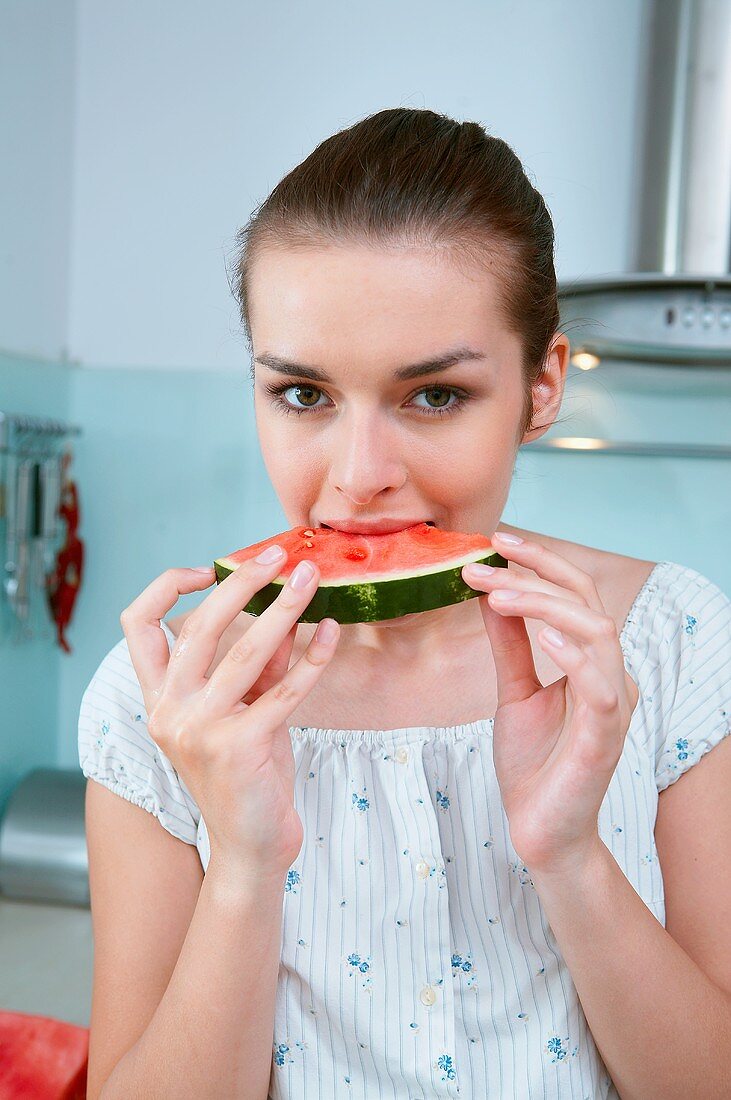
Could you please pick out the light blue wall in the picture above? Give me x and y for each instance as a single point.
(30, 673)
(37, 60)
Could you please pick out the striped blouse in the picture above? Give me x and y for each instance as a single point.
(416, 960)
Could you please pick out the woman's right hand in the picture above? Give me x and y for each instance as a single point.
(226, 734)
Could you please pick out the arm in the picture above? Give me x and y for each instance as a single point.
(211, 1034)
(662, 1027)
(185, 964)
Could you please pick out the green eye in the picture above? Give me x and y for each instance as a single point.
(277, 391)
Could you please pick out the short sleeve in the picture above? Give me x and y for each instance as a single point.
(687, 670)
(116, 749)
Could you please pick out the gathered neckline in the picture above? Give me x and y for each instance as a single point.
(480, 726)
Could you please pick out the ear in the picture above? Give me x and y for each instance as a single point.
(548, 387)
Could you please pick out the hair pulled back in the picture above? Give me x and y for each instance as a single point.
(412, 177)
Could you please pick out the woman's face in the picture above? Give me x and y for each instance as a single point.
(365, 444)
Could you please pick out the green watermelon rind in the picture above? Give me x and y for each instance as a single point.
(377, 599)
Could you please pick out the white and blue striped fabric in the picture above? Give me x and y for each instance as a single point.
(416, 960)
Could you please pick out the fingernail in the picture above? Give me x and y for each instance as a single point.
(272, 553)
(301, 575)
(504, 594)
(512, 539)
(553, 636)
(326, 631)
(203, 568)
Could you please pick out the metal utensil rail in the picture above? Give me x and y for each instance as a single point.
(13, 426)
(592, 445)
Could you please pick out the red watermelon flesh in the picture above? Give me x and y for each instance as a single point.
(366, 578)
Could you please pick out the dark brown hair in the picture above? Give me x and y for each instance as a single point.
(407, 176)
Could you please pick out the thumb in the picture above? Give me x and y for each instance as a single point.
(517, 678)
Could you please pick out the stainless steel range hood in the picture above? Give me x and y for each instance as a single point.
(674, 308)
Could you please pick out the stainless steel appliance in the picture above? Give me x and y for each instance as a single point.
(674, 309)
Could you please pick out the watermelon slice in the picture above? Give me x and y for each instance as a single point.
(365, 578)
(42, 1058)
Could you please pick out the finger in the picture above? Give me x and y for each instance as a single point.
(515, 668)
(274, 707)
(244, 662)
(588, 683)
(147, 642)
(200, 635)
(274, 670)
(586, 627)
(552, 567)
(493, 579)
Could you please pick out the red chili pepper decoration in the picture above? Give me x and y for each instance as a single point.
(63, 584)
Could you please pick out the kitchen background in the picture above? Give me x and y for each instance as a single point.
(138, 137)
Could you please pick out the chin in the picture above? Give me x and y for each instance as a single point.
(396, 620)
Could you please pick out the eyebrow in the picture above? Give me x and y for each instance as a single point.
(415, 370)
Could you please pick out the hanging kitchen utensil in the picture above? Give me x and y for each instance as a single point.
(22, 602)
(10, 580)
(64, 584)
(50, 529)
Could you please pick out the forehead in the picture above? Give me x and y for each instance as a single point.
(357, 300)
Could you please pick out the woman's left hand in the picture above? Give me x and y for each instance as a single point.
(555, 748)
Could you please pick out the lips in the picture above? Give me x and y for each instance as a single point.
(373, 527)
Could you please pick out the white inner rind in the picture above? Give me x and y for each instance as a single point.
(373, 578)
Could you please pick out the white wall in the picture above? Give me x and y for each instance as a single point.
(37, 44)
(188, 114)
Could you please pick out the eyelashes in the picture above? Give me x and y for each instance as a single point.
(276, 390)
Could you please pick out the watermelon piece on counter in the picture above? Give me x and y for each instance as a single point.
(366, 578)
(42, 1058)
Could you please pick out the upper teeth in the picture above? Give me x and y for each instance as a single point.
(429, 523)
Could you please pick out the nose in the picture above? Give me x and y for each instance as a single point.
(366, 458)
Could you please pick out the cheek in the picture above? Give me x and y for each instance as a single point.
(484, 443)
(477, 466)
(296, 471)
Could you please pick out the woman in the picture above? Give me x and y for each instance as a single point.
(426, 873)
